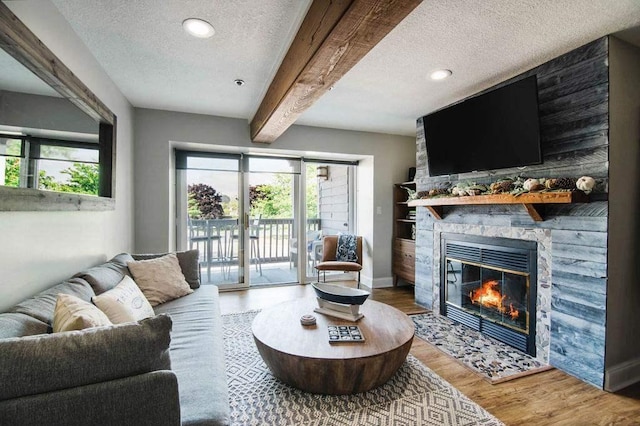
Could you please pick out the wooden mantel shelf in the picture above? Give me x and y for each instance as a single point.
(533, 202)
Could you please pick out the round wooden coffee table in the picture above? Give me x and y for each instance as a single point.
(302, 356)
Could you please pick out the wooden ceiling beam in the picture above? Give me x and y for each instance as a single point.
(333, 37)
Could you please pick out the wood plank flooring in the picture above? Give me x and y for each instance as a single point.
(547, 398)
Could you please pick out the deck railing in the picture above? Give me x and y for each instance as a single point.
(217, 239)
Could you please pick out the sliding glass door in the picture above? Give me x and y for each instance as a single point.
(273, 210)
(210, 215)
(259, 220)
(330, 206)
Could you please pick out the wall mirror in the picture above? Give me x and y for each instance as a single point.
(57, 139)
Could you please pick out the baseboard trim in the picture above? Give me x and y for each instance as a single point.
(383, 282)
(622, 375)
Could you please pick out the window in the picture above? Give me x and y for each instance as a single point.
(49, 164)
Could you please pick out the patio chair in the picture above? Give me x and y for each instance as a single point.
(329, 262)
(293, 246)
(202, 234)
(254, 240)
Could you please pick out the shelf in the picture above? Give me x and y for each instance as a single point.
(533, 202)
(406, 220)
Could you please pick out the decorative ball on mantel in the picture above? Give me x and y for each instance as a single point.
(532, 185)
(586, 184)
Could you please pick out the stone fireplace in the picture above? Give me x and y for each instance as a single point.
(586, 265)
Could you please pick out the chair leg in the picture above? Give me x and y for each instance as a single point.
(255, 253)
(258, 258)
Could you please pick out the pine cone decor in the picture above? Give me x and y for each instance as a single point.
(565, 183)
(423, 194)
(476, 189)
(501, 186)
(437, 191)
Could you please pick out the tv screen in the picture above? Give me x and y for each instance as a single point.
(495, 130)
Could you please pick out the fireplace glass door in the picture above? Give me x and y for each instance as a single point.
(498, 295)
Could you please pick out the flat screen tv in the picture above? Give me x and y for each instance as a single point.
(495, 130)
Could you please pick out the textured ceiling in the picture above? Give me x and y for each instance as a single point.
(142, 47)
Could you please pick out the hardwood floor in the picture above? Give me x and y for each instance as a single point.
(548, 398)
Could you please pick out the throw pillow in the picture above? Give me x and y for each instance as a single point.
(189, 264)
(160, 279)
(347, 248)
(124, 303)
(73, 313)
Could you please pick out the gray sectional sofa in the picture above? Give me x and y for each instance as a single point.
(165, 370)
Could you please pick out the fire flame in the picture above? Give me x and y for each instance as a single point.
(488, 296)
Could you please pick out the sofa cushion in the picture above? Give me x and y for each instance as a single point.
(124, 303)
(18, 325)
(37, 364)
(197, 356)
(108, 275)
(72, 313)
(149, 399)
(189, 264)
(160, 279)
(42, 304)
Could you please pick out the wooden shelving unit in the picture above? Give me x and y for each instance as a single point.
(533, 202)
(403, 234)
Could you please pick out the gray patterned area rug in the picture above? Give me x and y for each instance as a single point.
(493, 360)
(414, 396)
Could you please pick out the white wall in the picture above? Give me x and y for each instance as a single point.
(622, 362)
(333, 200)
(39, 249)
(155, 131)
(44, 113)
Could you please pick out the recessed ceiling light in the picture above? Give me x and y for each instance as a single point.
(198, 28)
(239, 82)
(440, 74)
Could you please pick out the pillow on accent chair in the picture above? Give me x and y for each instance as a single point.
(160, 279)
(73, 313)
(124, 303)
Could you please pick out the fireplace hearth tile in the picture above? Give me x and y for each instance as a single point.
(493, 360)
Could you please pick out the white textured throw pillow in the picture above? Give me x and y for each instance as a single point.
(73, 313)
(160, 279)
(124, 303)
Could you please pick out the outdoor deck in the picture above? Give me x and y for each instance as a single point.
(270, 242)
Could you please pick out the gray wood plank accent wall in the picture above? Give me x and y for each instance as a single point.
(574, 123)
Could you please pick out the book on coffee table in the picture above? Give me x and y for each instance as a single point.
(345, 334)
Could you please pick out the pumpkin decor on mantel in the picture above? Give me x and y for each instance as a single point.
(586, 184)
